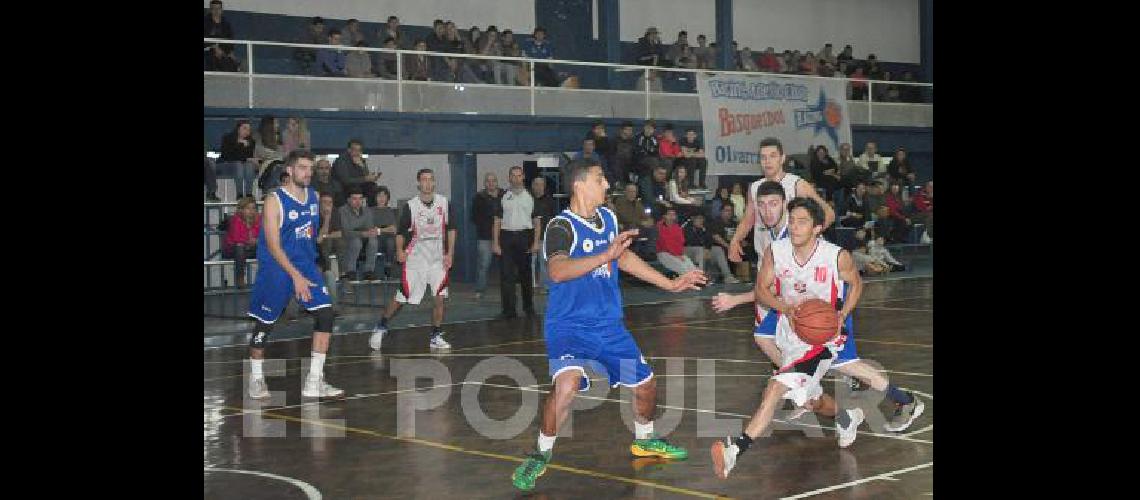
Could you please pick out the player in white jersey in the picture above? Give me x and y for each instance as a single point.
(425, 246)
(772, 160)
(771, 204)
(800, 267)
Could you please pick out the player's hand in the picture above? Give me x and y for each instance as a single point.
(496, 249)
(620, 243)
(788, 311)
(723, 302)
(401, 256)
(692, 280)
(447, 261)
(735, 252)
(301, 288)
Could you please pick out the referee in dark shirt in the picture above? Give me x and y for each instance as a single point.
(545, 208)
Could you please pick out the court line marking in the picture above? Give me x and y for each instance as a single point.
(858, 340)
(346, 398)
(920, 431)
(459, 449)
(307, 488)
(699, 410)
(883, 476)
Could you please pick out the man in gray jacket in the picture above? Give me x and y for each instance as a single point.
(358, 231)
(351, 170)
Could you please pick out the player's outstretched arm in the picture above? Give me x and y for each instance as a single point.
(564, 268)
(722, 302)
(850, 274)
(632, 264)
(735, 250)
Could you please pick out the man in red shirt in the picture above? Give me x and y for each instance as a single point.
(671, 244)
(669, 149)
(923, 202)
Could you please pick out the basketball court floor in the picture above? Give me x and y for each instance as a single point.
(455, 424)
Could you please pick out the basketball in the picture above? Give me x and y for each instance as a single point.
(816, 321)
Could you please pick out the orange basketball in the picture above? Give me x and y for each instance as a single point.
(816, 321)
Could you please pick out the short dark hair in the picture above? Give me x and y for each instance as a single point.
(650, 122)
(812, 207)
(423, 171)
(390, 18)
(702, 35)
(683, 33)
(626, 123)
(671, 209)
(508, 30)
(325, 194)
(361, 43)
(771, 187)
(384, 189)
(296, 155)
(215, 2)
(437, 22)
(728, 204)
(668, 126)
(353, 20)
(690, 129)
(772, 141)
(356, 189)
(580, 168)
(491, 28)
(334, 32)
(389, 39)
(539, 28)
(317, 20)
(516, 167)
(598, 123)
(355, 141)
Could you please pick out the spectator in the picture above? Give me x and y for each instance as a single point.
(894, 204)
(510, 48)
(649, 50)
(237, 158)
(679, 193)
(222, 58)
(358, 232)
(351, 170)
(267, 151)
(656, 84)
(216, 26)
(874, 71)
(678, 50)
(669, 149)
(296, 135)
(899, 169)
(628, 208)
(718, 235)
(514, 237)
(874, 198)
(307, 57)
(655, 192)
(720, 200)
(671, 244)
(747, 60)
(589, 152)
(331, 62)
(438, 67)
(488, 45)
(824, 171)
(647, 152)
(392, 30)
(850, 171)
(352, 34)
(769, 61)
(697, 240)
(871, 161)
(483, 210)
(845, 56)
(909, 93)
(877, 248)
(693, 156)
(539, 48)
(645, 246)
(623, 153)
(886, 92)
(327, 239)
(358, 63)
(737, 198)
(384, 63)
(460, 67)
(858, 84)
(241, 237)
(703, 54)
(825, 54)
(325, 183)
(809, 65)
(384, 217)
(857, 213)
(924, 210)
(865, 263)
(417, 66)
(210, 176)
(604, 147)
(545, 208)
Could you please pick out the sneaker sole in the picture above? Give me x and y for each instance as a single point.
(917, 413)
(638, 451)
(855, 423)
(535, 478)
(718, 459)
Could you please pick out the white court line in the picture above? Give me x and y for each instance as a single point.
(714, 412)
(330, 401)
(307, 488)
(924, 429)
(884, 476)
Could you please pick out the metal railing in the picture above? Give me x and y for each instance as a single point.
(300, 91)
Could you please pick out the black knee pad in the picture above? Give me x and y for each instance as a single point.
(324, 321)
(260, 335)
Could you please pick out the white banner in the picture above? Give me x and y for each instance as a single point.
(738, 111)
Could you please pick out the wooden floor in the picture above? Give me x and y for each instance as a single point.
(376, 444)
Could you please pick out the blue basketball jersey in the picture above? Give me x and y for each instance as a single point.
(595, 297)
(299, 225)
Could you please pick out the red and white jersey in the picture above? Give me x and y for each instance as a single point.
(429, 227)
(760, 239)
(818, 278)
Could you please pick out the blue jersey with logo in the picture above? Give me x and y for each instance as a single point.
(595, 297)
(300, 223)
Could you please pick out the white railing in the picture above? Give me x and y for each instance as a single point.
(400, 82)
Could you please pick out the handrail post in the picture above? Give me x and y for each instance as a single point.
(399, 82)
(647, 84)
(249, 70)
(532, 87)
(870, 87)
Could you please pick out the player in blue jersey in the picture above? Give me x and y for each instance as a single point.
(584, 326)
(287, 268)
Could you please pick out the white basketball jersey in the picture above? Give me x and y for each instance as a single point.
(818, 278)
(429, 226)
(760, 241)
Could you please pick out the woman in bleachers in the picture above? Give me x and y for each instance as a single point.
(679, 194)
(237, 158)
(737, 198)
(718, 202)
(296, 135)
(900, 170)
(824, 171)
(267, 150)
(241, 237)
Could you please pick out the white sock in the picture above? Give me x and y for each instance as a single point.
(642, 431)
(256, 365)
(317, 365)
(545, 443)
